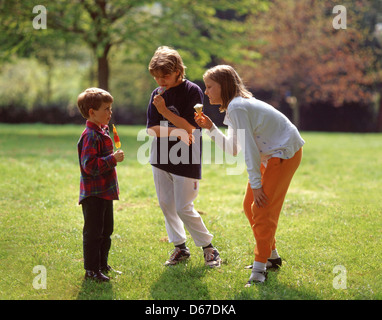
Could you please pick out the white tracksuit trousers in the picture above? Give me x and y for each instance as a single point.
(176, 195)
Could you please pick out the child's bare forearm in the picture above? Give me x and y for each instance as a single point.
(159, 131)
(178, 121)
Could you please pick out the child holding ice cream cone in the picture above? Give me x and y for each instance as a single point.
(272, 149)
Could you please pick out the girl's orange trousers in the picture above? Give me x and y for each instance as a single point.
(275, 179)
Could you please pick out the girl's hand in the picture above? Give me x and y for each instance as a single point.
(203, 121)
(260, 198)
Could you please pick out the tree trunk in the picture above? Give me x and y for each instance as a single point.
(379, 119)
(49, 83)
(103, 73)
(295, 106)
(296, 115)
(103, 69)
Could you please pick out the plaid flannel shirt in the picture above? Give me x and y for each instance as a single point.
(97, 164)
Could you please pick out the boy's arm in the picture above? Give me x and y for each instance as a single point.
(176, 120)
(90, 162)
(161, 132)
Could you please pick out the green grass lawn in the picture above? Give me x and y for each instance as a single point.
(331, 218)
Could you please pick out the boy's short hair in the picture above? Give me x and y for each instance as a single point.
(92, 98)
(165, 61)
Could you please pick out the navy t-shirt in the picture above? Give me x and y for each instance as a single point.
(169, 153)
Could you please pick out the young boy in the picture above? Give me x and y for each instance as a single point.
(98, 185)
(170, 115)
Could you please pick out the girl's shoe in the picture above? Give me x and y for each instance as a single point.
(272, 264)
(256, 277)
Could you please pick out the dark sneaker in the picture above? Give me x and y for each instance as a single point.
(212, 257)
(271, 264)
(177, 256)
(274, 264)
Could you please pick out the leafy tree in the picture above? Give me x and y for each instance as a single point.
(305, 57)
(199, 29)
(20, 39)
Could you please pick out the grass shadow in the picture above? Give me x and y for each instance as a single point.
(93, 290)
(273, 289)
(181, 282)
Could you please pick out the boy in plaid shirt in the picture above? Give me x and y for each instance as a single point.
(99, 184)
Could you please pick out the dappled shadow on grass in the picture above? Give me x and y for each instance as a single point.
(273, 289)
(92, 290)
(181, 282)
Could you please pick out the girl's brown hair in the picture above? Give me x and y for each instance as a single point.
(230, 82)
(166, 61)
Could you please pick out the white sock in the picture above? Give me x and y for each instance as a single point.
(259, 266)
(274, 254)
(256, 276)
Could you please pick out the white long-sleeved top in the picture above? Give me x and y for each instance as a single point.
(261, 131)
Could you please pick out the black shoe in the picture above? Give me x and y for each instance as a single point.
(108, 269)
(96, 275)
(274, 264)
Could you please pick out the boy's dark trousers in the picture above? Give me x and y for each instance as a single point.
(98, 227)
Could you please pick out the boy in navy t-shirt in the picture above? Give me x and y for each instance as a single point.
(176, 154)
